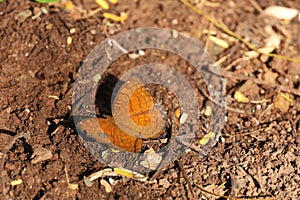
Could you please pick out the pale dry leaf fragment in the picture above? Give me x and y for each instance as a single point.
(73, 186)
(281, 12)
(22, 16)
(250, 54)
(106, 185)
(72, 30)
(102, 173)
(254, 54)
(165, 183)
(270, 76)
(133, 56)
(208, 110)
(183, 118)
(282, 102)
(218, 41)
(215, 189)
(152, 159)
(88, 182)
(266, 50)
(40, 154)
(273, 41)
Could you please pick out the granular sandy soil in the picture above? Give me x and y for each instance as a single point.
(257, 154)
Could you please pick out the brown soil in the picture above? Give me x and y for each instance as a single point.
(257, 155)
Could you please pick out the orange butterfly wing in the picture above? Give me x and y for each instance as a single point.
(134, 117)
(109, 133)
(135, 113)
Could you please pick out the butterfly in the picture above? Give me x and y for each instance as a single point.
(134, 117)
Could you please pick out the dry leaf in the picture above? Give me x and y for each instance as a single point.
(103, 4)
(69, 40)
(281, 12)
(218, 41)
(183, 118)
(177, 113)
(282, 102)
(130, 174)
(250, 54)
(88, 182)
(16, 182)
(266, 50)
(113, 1)
(73, 186)
(123, 16)
(240, 97)
(40, 154)
(270, 76)
(208, 110)
(69, 5)
(206, 138)
(107, 186)
(273, 39)
(152, 159)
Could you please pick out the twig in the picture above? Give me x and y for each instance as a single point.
(186, 178)
(8, 86)
(225, 29)
(221, 105)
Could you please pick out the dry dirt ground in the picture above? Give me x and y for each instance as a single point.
(257, 155)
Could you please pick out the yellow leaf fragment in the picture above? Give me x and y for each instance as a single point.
(69, 5)
(107, 186)
(208, 110)
(206, 138)
(16, 182)
(53, 97)
(222, 184)
(115, 150)
(113, 1)
(103, 4)
(286, 97)
(177, 113)
(124, 172)
(218, 41)
(69, 40)
(240, 97)
(130, 174)
(123, 16)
